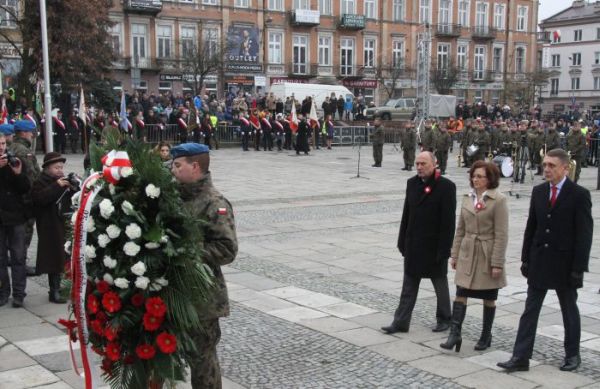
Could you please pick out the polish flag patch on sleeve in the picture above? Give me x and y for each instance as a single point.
(222, 211)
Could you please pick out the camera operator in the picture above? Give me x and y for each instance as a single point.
(51, 195)
(13, 185)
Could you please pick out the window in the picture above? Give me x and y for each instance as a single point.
(495, 96)
(300, 54)
(576, 59)
(555, 60)
(424, 11)
(596, 83)
(9, 13)
(242, 3)
(522, 18)
(210, 39)
(479, 65)
(325, 50)
(445, 14)
(115, 38)
(398, 10)
(575, 83)
(325, 7)
(554, 86)
(499, 12)
(398, 54)
(165, 85)
(165, 37)
(520, 60)
(597, 58)
(275, 5)
(369, 57)
(478, 95)
(275, 47)
(598, 33)
(138, 38)
(370, 7)
(481, 16)
(188, 41)
(463, 12)
(577, 35)
(209, 2)
(348, 6)
(301, 4)
(346, 56)
(142, 85)
(117, 85)
(497, 59)
(443, 51)
(461, 57)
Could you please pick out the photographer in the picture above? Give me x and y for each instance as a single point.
(51, 195)
(13, 185)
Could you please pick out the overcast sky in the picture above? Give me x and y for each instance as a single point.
(548, 8)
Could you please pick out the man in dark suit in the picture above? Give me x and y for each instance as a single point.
(425, 240)
(556, 251)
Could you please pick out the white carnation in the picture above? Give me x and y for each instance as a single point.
(103, 240)
(162, 281)
(68, 247)
(127, 208)
(152, 245)
(133, 231)
(108, 278)
(111, 189)
(139, 268)
(152, 191)
(142, 282)
(90, 225)
(131, 249)
(75, 199)
(121, 283)
(90, 252)
(106, 208)
(155, 287)
(109, 262)
(126, 172)
(113, 231)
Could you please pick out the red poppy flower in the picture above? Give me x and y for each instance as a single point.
(111, 302)
(427, 189)
(145, 351)
(107, 366)
(137, 300)
(110, 333)
(151, 322)
(102, 286)
(101, 317)
(92, 304)
(97, 327)
(166, 342)
(113, 351)
(156, 306)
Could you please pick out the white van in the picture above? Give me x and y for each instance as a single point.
(318, 92)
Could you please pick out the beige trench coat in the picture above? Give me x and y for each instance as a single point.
(480, 242)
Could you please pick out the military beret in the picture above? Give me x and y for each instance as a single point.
(24, 125)
(188, 150)
(7, 129)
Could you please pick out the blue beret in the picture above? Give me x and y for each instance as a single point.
(188, 150)
(24, 125)
(7, 129)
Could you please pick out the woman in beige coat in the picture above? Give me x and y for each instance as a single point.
(478, 252)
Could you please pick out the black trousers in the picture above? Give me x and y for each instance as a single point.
(12, 240)
(408, 299)
(567, 299)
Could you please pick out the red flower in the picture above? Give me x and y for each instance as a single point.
(107, 366)
(479, 206)
(145, 351)
(97, 327)
(137, 300)
(110, 333)
(101, 317)
(156, 306)
(113, 351)
(166, 342)
(111, 302)
(151, 322)
(427, 189)
(92, 303)
(102, 286)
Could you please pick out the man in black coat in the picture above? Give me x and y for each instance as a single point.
(556, 252)
(425, 240)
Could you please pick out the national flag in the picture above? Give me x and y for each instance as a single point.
(82, 109)
(4, 115)
(312, 116)
(123, 122)
(293, 119)
(556, 35)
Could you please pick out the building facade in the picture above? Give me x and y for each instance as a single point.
(10, 43)
(571, 54)
(370, 46)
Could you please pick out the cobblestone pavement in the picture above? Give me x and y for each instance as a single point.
(318, 274)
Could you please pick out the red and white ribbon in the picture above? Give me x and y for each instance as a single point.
(114, 162)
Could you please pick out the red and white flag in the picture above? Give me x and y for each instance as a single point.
(3, 118)
(293, 119)
(312, 116)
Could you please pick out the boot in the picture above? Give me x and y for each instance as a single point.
(54, 293)
(396, 326)
(454, 338)
(409, 168)
(485, 340)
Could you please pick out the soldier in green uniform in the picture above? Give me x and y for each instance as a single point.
(503, 141)
(552, 138)
(482, 139)
(576, 147)
(378, 139)
(427, 137)
(408, 142)
(466, 141)
(441, 144)
(219, 247)
(8, 130)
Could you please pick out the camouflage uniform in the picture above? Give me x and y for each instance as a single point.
(538, 143)
(442, 143)
(427, 139)
(378, 137)
(503, 141)
(552, 139)
(482, 139)
(576, 146)
(467, 140)
(408, 141)
(219, 248)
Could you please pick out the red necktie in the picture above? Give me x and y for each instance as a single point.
(553, 198)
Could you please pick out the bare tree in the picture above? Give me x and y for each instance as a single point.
(443, 78)
(388, 75)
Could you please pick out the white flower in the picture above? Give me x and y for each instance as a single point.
(152, 245)
(90, 226)
(68, 247)
(111, 189)
(138, 269)
(91, 182)
(73, 218)
(133, 231)
(142, 282)
(75, 199)
(126, 172)
(164, 239)
(127, 208)
(162, 281)
(131, 249)
(103, 240)
(109, 262)
(90, 252)
(106, 208)
(108, 278)
(113, 231)
(155, 287)
(152, 191)
(121, 283)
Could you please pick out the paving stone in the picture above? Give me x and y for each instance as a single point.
(26, 377)
(42, 330)
(253, 281)
(10, 317)
(329, 324)
(315, 300)
(287, 291)
(552, 378)
(403, 350)
(297, 314)
(558, 332)
(488, 379)
(346, 310)
(466, 350)
(490, 359)
(593, 344)
(446, 366)
(374, 320)
(56, 385)
(243, 294)
(267, 303)
(44, 346)
(13, 358)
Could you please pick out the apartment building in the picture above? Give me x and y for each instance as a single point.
(10, 58)
(571, 53)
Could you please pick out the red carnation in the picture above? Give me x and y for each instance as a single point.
(113, 351)
(92, 304)
(166, 342)
(110, 333)
(97, 327)
(137, 300)
(151, 322)
(102, 286)
(427, 189)
(111, 302)
(101, 317)
(145, 351)
(156, 306)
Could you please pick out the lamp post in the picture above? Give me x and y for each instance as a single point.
(46, 66)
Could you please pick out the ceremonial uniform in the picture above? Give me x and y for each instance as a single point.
(378, 137)
(503, 144)
(552, 139)
(408, 141)
(60, 134)
(442, 143)
(245, 130)
(302, 137)
(427, 139)
(483, 140)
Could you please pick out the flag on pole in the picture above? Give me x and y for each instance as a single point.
(312, 116)
(556, 35)
(123, 121)
(4, 115)
(82, 109)
(293, 118)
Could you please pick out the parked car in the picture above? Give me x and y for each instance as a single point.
(394, 109)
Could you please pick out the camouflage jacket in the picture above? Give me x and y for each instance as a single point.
(442, 141)
(219, 243)
(378, 135)
(21, 147)
(408, 139)
(576, 144)
(427, 139)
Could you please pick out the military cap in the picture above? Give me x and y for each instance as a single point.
(24, 125)
(188, 150)
(7, 129)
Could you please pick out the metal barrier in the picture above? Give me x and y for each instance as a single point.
(156, 133)
(593, 153)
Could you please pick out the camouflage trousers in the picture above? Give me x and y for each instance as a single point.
(204, 363)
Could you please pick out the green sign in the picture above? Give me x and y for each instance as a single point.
(353, 21)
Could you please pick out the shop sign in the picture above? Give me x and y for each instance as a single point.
(240, 80)
(371, 84)
(281, 80)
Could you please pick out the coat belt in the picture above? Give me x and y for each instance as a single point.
(483, 240)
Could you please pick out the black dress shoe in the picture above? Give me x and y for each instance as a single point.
(514, 364)
(571, 363)
(393, 328)
(17, 302)
(441, 326)
(31, 271)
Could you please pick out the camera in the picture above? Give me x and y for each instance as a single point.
(12, 159)
(74, 180)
